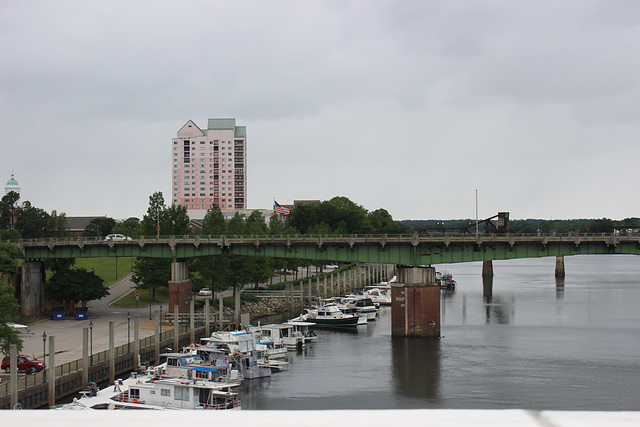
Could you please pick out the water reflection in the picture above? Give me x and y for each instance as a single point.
(416, 366)
(497, 310)
(559, 288)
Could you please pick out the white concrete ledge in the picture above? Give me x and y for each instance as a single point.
(351, 418)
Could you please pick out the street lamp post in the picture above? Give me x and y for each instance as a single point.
(44, 352)
(128, 332)
(91, 345)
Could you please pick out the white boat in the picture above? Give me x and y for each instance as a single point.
(445, 280)
(379, 295)
(329, 315)
(236, 349)
(362, 304)
(280, 333)
(274, 364)
(138, 392)
(191, 365)
(270, 349)
(304, 328)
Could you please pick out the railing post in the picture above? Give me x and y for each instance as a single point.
(192, 334)
(136, 342)
(13, 362)
(156, 324)
(52, 370)
(85, 356)
(112, 353)
(176, 328)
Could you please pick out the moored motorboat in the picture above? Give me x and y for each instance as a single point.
(138, 392)
(330, 315)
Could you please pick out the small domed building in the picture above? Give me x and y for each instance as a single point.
(12, 185)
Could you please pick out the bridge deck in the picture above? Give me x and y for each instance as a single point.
(413, 249)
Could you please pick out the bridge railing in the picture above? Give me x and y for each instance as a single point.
(315, 237)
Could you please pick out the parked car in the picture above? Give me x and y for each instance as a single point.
(25, 363)
(330, 267)
(117, 237)
(205, 292)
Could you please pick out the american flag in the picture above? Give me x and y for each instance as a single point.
(280, 209)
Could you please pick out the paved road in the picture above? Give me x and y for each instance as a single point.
(68, 332)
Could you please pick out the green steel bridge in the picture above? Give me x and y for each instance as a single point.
(416, 249)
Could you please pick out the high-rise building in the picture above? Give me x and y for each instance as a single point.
(209, 165)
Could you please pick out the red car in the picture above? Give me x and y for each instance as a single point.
(25, 363)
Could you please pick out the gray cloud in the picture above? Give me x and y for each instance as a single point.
(406, 105)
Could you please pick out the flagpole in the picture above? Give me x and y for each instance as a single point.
(476, 213)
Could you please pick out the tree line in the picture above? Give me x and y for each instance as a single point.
(531, 226)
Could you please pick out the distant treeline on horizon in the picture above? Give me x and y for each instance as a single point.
(528, 225)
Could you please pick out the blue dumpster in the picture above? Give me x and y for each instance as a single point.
(81, 313)
(58, 313)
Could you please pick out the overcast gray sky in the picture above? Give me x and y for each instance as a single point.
(404, 105)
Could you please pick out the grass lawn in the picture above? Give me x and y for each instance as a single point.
(107, 267)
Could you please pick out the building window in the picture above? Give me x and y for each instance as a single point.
(165, 392)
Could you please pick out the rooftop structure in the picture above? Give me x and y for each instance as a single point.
(12, 185)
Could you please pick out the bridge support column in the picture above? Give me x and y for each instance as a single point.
(560, 266)
(415, 303)
(487, 268)
(180, 286)
(31, 287)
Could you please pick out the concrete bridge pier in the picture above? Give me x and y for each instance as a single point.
(487, 288)
(487, 268)
(415, 303)
(31, 287)
(180, 286)
(560, 266)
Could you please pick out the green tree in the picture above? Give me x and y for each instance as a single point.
(99, 227)
(256, 224)
(9, 311)
(33, 222)
(9, 306)
(70, 286)
(214, 223)
(9, 255)
(128, 227)
(382, 222)
(305, 216)
(8, 206)
(175, 221)
(276, 225)
(153, 220)
(260, 269)
(151, 273)
(604, 225)
(58, 224)
(236, 226)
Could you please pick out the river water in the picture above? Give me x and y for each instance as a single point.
(523, 341)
